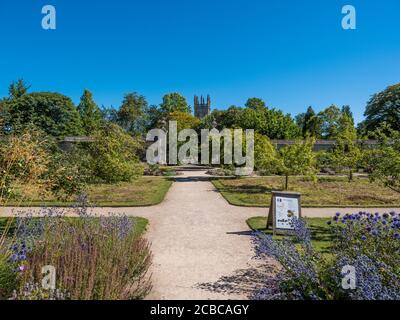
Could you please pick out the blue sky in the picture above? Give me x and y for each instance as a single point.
(290, 53)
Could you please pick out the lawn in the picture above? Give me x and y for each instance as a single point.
(327, 192)
(321, 237)
(146, 191)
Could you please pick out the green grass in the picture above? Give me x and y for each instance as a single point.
(327, 192)
(140, 224)
(321, 237)
(146, 191)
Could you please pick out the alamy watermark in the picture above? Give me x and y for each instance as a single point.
(349, 278)
(349, 21)
(49, 21)
(171, 147)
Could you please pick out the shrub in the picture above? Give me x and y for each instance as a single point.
(34, 160)
(8, 279)
(114, 155)
(24, 159)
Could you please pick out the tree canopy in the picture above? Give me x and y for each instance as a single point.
(384, 107)
(174, 102)
(90, 113)
(53, 113)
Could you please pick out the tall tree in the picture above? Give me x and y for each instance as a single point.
(330, 118)
(174, 102)
(90, 112)
(131, 115)
(309, 123)
(384, 107)
(18, 88)
(255, 104)
(53, 113)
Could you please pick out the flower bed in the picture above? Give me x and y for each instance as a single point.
(366, 244)
(94, 258)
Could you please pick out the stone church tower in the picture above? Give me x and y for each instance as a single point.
(201, 107)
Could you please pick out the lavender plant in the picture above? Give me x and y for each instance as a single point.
(94, 257)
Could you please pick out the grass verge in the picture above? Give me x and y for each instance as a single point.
(146, 191)
(327, 192)
(321, 237)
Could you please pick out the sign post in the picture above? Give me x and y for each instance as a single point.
(284, 207)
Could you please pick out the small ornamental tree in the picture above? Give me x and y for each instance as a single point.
(266, 155)
(298, 159)
(347, 155)
(384, 161)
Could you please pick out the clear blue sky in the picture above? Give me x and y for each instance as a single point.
(290, 53)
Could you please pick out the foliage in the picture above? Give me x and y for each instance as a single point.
(174, 102)
(298, 159)
(89, 112)
(18, 88)
(266, 156)
(8, 279)
(184, 120)
(33, 159)
(132, 114)
(309, 123)
(53, 113)
(384, 107)
(24, 159)
(347, 154)
(384, 161)
(269, 122)
(114, 154)
(255, 104)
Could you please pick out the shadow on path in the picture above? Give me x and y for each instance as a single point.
(246, 282)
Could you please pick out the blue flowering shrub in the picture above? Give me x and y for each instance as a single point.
(95, 258)
(368, 245)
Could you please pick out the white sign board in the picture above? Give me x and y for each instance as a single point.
(286, 210)
(285, 206)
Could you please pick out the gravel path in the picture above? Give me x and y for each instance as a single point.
(201, 245)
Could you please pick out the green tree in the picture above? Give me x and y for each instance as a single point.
(309, 123)
(298, 159)
(90, 113)
(266, 156)
(384, 162)
(347, 155)
(53, 113)
(173, 102)
(384, 107)
(184, 120)
(255, 104)
(132, 113)
(18, 88)
(329, 119)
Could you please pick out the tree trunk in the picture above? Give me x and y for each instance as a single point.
(286, 182)
(350, 175)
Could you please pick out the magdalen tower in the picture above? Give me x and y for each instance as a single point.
(201, 107)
